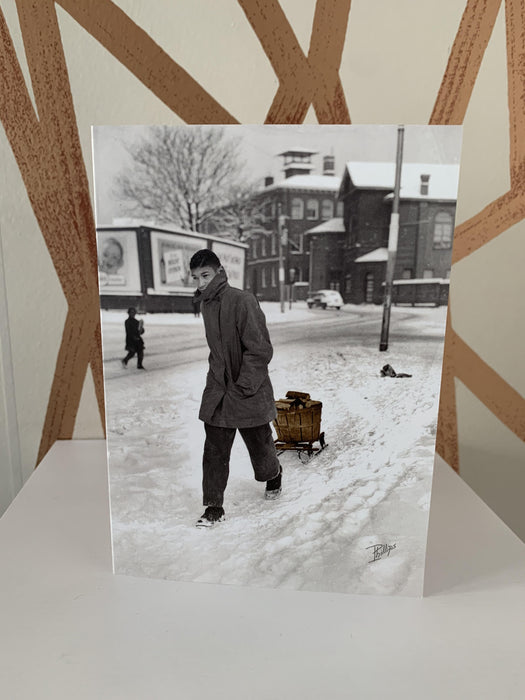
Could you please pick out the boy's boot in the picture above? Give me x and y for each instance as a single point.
(212, 515)
(273, 486)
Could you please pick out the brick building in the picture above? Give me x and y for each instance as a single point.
(295, 204)
(426, 223)
(326, 246)
(334, 231)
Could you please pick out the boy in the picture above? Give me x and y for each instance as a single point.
(238, 393)
(134, 342)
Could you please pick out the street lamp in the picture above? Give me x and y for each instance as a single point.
(393, 234)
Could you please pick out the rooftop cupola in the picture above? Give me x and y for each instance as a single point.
(297, 161)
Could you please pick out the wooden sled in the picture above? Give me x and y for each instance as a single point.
(298, 425)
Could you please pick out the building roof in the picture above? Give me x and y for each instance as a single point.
(443, 182)
(121, 225)
(422, 280)
(335, 225)
(330, 183)
(301, 151)
(377, 255)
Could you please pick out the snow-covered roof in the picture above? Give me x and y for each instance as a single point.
(133, 222)
(443, 182)
(377, 255)
(422, 280)
(168, 228)
(308, 182)
(335, 225)
(301, 151)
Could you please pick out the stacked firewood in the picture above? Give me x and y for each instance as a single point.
(298, 418)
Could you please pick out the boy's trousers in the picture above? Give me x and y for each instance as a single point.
(216, 458)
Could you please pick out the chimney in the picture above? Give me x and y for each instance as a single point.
(268, 181)
(328, 165)
(423, 189)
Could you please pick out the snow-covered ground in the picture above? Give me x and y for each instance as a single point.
(370, 486)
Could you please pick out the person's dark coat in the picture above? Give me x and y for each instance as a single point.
(238, 392)
(134, 340)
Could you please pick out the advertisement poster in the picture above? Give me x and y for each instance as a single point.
(118, 262)
(232, 260)
(171, 253)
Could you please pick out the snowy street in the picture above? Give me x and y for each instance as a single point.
(370, 486)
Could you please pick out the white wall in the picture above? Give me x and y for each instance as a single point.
(10, 465)
(392, 66)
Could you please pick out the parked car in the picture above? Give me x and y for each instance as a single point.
(325, 298)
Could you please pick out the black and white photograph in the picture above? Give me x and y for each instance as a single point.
(273, 306)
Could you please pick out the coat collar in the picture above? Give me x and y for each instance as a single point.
(214, 289)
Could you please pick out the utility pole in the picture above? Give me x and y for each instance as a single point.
(393, 234)
(280, 235)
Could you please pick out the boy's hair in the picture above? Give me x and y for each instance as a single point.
(204, 258)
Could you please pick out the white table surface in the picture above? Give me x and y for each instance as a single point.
(72, 630)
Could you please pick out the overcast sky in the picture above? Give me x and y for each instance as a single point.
(260, 145)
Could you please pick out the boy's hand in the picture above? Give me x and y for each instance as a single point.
(238, 391)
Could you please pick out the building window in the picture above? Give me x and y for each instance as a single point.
(348, 284)
(274, 277)
(443, 227)
(274, 244)
(254, 248)
(369, 288)
(312, 209)
(339, 209)
(406, 274)
(297, 208)
(263, 247)
(428, 274)
(327, 209)
(263, 277)
(336, 286)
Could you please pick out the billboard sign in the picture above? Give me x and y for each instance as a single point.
(118, 262)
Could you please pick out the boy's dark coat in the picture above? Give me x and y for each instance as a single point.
(238, 392)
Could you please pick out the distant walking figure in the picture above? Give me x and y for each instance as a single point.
(134, 342)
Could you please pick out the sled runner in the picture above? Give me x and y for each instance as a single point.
(298, 425)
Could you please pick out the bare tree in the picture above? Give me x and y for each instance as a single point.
(182, 175)
(241, 216)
